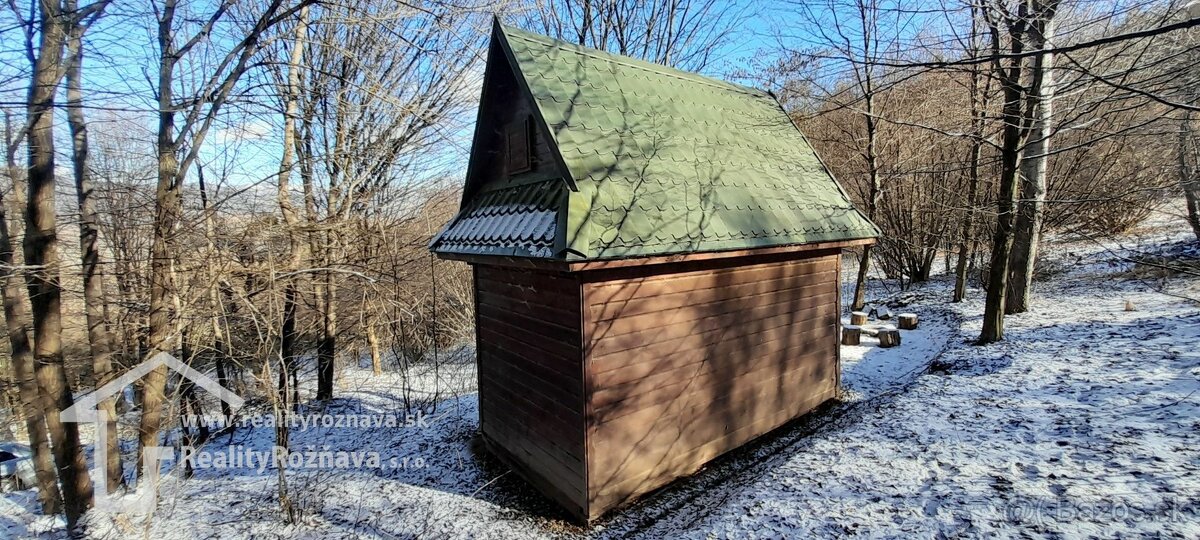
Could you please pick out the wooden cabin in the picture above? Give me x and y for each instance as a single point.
(656, 264)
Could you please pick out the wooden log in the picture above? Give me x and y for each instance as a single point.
(908, 321)
(883, 313)
(889, 337)
(851, 334)
(858, 318)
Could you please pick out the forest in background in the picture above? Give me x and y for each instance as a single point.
(250, 185)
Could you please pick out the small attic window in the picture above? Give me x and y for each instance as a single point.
(517, 146)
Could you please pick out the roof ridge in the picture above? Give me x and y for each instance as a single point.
(629, 61)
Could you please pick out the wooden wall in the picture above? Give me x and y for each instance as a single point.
(602, 385)
(531, 377)
(687, 361)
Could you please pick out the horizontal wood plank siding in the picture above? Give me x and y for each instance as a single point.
(686, 362)
(531, 403)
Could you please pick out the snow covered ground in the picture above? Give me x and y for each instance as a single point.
(1085, 422)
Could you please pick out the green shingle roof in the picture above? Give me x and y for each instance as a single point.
(658, 161)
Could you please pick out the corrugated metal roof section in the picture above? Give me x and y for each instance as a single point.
(518, 221)
(672, 162)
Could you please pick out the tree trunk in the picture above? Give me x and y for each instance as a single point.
(17, 324)
(167, 210)
(189, 405)
(287, 344)
(327, 348)
(1189, 178)
(279, 410)
(925, 269)
(873, 193)
(1017, 114)
(1002, 243)
(372, 340)
(161, 329)
(1012, 140)
(220, 342)
(980, 98)
(95, 297)
(1034, 166)
(968, 223)
(323, 291)
(296, 249)
(41, 254)
(16, 319)
(323, 242)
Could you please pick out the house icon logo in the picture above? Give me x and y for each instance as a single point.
(86, 409)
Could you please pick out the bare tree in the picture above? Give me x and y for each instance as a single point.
(679, 33)
(220, 334)
(1189, 170)
(183, 124)
(382, 85)
(1034, 162)
(94, 295)
(864, 75)
(1009, 28)
(1189, 141)
(57, 23)
(297, 252)
(852, 37)
(16, 319)
(979, 94)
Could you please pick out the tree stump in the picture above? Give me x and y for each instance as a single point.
(851, 334)
(908, 321)
(883, 313)
(889, 337)
(858, 318)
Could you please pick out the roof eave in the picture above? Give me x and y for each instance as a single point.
(560, 265)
